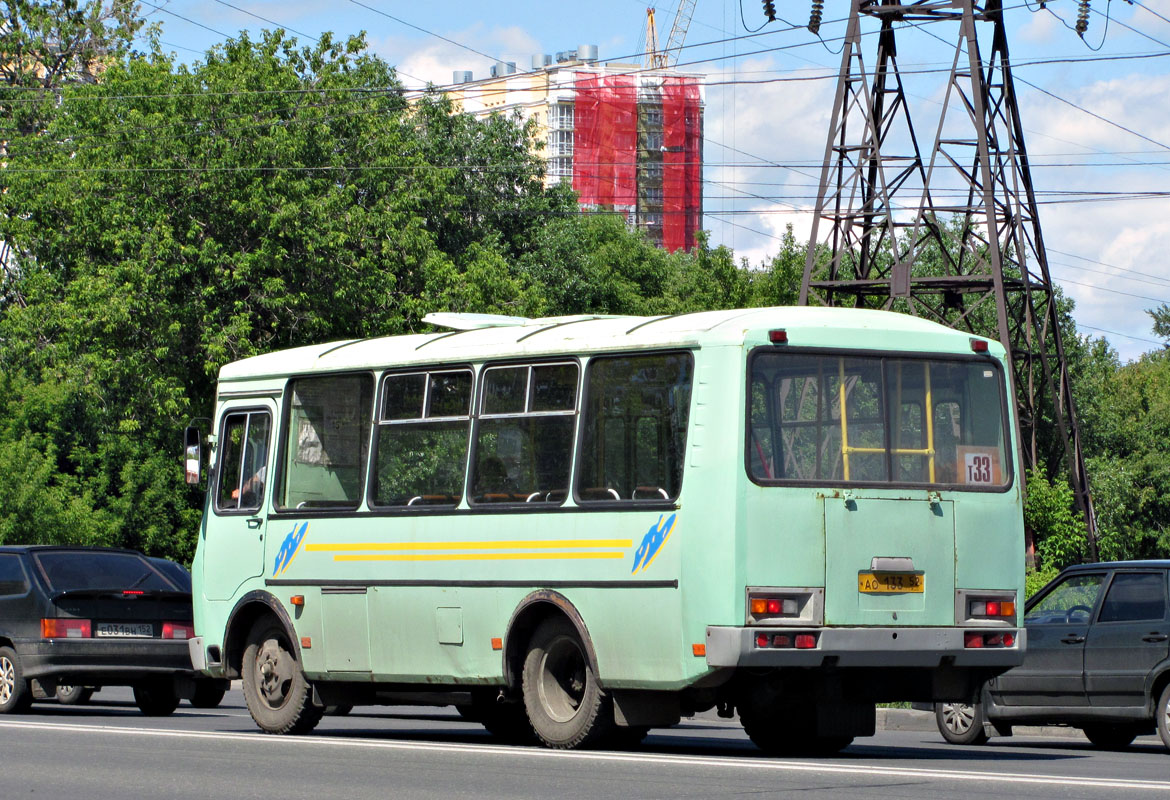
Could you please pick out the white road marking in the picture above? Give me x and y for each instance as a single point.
(765, 765)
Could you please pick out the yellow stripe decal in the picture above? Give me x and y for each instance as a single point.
(499, 545)
(475, 556)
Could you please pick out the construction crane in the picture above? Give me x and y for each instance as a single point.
(668, 56)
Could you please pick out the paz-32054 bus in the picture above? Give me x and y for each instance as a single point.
(584, 527)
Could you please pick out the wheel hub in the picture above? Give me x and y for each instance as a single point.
(7, 680)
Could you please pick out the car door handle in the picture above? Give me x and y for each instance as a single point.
(254, 522)
(1073, 638)
(1155, 637)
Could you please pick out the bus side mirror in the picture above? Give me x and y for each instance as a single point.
(193, 455)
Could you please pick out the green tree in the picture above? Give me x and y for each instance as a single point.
(167, 220)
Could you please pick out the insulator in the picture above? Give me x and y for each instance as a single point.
(1082, 17)
(814, 17)
(769, 10)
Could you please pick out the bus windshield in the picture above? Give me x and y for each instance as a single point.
(907, 421)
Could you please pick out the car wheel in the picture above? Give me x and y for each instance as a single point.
(1110, 737)
(960, 723)
(156, 698)
(15, 694)
(278, 696)
(1162, 716)
(73, 695)
(564, 701)
(209, 693)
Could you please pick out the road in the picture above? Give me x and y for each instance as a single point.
(108, 750)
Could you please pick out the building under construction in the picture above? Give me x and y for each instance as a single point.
(628, 138)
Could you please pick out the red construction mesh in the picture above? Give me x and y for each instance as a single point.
(674, 137)
(586, 141)
(605, 140)
(624, 97)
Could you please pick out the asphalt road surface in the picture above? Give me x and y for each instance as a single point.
(109, 750)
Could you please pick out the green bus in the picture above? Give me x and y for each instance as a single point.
(576, 529)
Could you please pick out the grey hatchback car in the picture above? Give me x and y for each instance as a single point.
(1098, 659)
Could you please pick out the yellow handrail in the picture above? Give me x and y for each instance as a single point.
(928, 451)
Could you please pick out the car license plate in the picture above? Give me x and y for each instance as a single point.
(890, 582)
(137, 630)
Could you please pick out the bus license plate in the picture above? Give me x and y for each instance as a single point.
(140, 630)
(890, 582)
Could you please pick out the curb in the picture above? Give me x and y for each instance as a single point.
(908, 719)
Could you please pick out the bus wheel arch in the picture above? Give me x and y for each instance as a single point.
(528, 616)
(250, 608)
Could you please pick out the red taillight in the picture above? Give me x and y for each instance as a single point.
(978, 345)
(178, 630)
(774, 606)
(992, 608)
(973, 640)
(762, 640)
(66, 629)
(805, 641)
(782, 640)
(778, 336)
(1008, 640)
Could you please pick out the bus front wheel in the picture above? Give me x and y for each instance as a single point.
(275, 690)
(564, 701)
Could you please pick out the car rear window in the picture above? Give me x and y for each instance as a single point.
(74, 570)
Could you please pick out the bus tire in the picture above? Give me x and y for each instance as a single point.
(209, 693)
(275, 690)
(775, 736)
(1111, 737)
(156, 697)
(960, 723)
(15, 694)
(564, 701)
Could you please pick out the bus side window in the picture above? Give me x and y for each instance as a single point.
(633, 436)
(243, 461)
(328, 434)
(524, 435)
(423, 432)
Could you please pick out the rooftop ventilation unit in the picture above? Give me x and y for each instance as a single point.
(461, 76)
(587, 52)
(541, 60)
(502, 68)
(566, 55)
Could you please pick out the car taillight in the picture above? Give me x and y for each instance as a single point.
(66, 629)
(177, 630)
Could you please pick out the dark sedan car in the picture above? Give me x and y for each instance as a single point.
(1098, 659)
(80, 617)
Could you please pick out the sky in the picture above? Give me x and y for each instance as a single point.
(1095, 109)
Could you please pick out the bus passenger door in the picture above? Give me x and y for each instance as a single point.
(234, 546)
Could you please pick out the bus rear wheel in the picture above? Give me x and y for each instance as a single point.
(776, 736)
(275, 690)
(564, 701)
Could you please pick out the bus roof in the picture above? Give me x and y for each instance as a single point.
(475, 337)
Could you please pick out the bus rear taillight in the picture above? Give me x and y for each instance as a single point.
(800, 641)
(66, 629)
(977, 639)
(784, 606)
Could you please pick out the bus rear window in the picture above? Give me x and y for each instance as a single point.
(847, 419)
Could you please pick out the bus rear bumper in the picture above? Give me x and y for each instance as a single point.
(861, 647)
